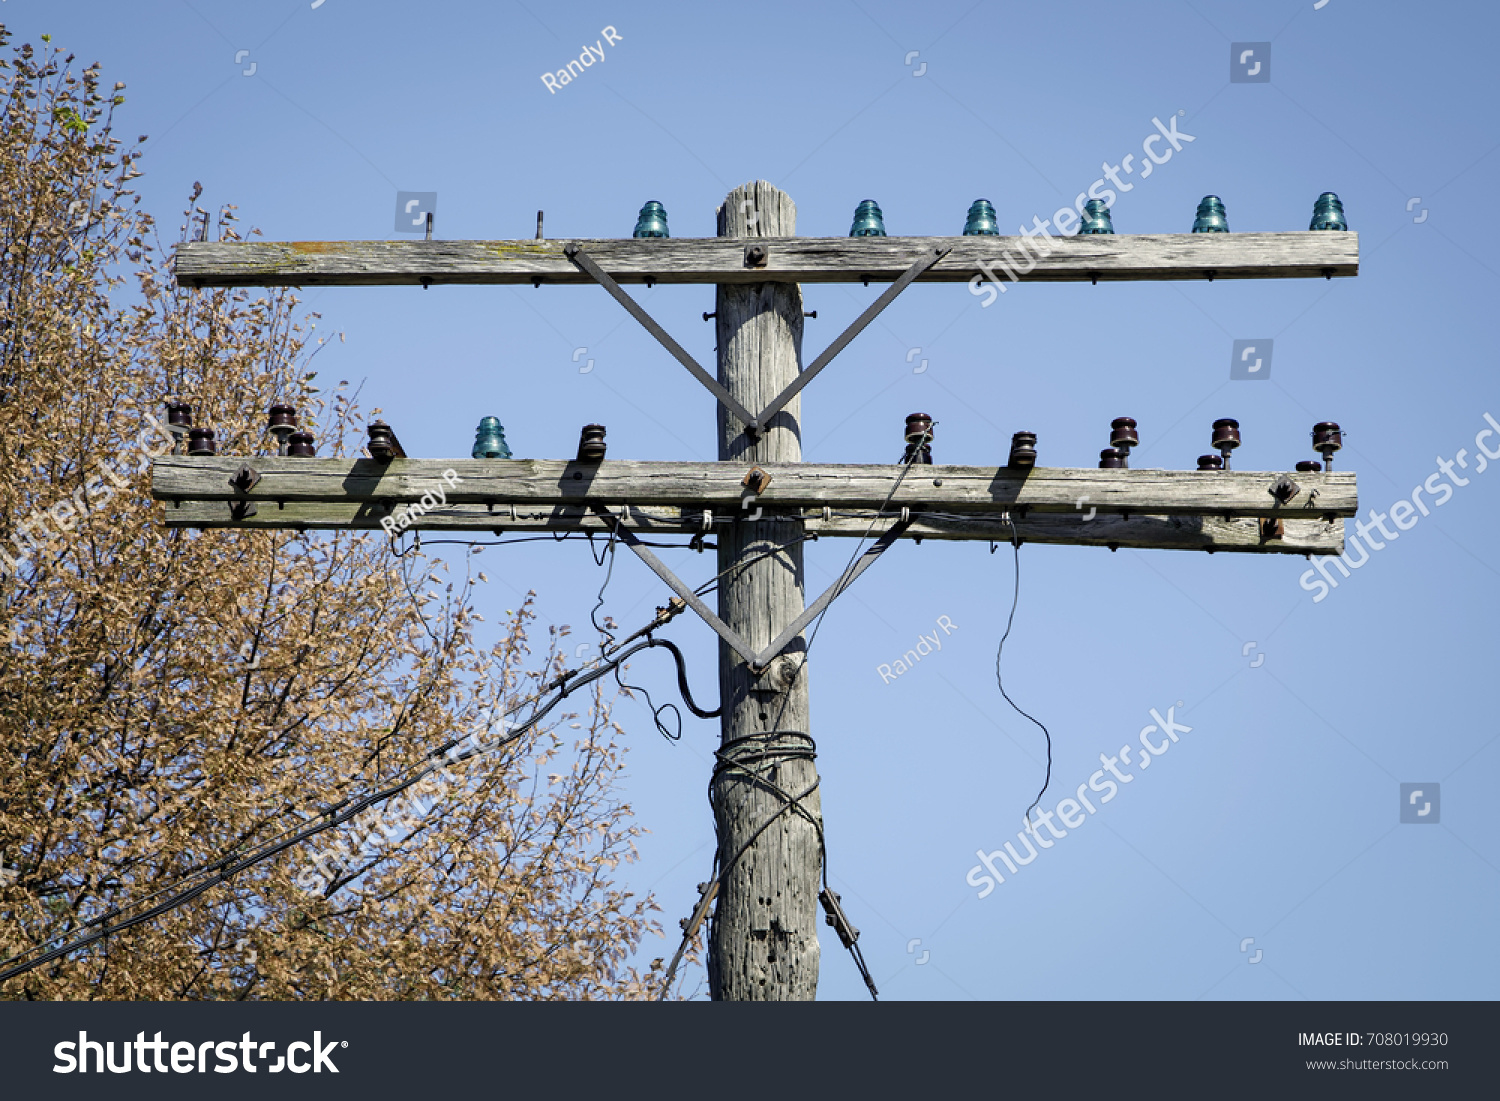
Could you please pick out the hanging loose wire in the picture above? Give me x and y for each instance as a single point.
(607, 552)
(1015, 539)
(789, 801)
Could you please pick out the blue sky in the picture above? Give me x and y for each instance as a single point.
(1263, 856)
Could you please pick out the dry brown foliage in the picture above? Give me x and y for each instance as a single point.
(168, 697)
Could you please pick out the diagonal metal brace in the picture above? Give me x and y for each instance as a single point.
(855, 328)
(813, 610)
(586, 262)
(758, 661)
(753, 424)
(658, 567)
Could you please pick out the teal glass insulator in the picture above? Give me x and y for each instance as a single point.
(489, 440)
(1211, 217)
(868, 221)
(652, 221)
(1096, 218)
(981, 220)
(1328, 213)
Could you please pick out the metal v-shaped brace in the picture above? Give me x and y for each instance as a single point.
(753, 423)
(758, 661)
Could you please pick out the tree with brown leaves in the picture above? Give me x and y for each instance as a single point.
(171, 700)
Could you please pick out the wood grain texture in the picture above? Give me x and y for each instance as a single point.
(721, 260)
(763, 943)
(1140, 532)
(547, 482)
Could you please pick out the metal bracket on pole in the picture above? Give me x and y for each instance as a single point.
(753, 424)
(658, 567)
(811, 612)
(758, 661)
(854, 329)
(586, 262)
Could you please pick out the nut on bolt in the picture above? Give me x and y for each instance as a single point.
(756, 481)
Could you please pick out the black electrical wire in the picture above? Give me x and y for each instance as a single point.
(840, 585)
(555, 538)
(656, 712)
(713, 582)
(682, 681)
(729, 757)
(228, 866)
(609, 552)
(1015, 599)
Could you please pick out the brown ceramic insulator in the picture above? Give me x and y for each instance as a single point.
(201, 442)
(1122, 433)
(1023, 450)
(591, 443)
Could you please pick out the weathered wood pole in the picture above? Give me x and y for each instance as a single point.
(763, 944)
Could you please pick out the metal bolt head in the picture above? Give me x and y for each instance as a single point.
(868, 220)
(1328, 213)
(1095, 218)
(981, 220)
(652, 221)
(1211, 216)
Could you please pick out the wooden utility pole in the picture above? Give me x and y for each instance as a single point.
(759, 500)
(764, 943)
